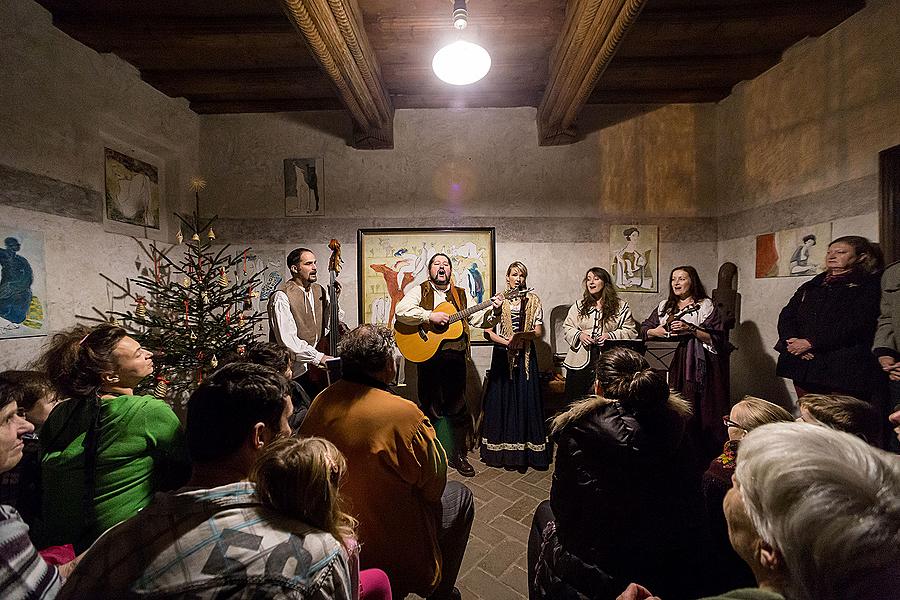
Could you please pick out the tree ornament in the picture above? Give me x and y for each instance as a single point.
(223, 278)
(197, 184)
(162, 387)
(195, 237)
(179, 236)
(186, 282)
(241, 349)
(205, 297)
(241, 319)
(140, 306)
(214, 362)
(211, 234)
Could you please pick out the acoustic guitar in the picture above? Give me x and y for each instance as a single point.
(419, 343)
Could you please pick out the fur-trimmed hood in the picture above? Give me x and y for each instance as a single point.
(676, 404)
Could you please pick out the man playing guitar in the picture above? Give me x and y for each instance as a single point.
(442, 379)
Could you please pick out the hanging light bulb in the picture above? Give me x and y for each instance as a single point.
(461, 62)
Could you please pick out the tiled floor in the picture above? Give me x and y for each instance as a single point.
(494, 566)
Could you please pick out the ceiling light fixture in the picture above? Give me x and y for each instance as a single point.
(461, 62)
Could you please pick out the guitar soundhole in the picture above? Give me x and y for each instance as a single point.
(440, 328)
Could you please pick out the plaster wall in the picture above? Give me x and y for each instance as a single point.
(798, 146)
(60, 103)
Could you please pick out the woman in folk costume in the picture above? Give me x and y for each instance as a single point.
(513, 434)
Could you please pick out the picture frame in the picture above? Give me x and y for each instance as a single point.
(23, 302)
(304, 187)
(134, 192)
(634, 257)
(392, 261)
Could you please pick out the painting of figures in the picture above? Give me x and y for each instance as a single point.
(393, 261)
(304, 192)
(634, 257)
(132, 190)
(796, 252)
(23, 293)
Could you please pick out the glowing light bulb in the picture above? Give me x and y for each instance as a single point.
(461, 63)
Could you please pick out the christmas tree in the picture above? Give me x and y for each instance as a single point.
(192, 311)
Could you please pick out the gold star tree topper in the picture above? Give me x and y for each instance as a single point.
(197, 184)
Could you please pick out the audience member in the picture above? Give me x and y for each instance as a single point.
(413, 524)
(726, 570)
(826, 331)
(281, 358)
(844, 413)
(816, 515)
(301, 478)
(35, 397)
(215, 538)
(23, 573)
(105, 451)
(887, 339)
(625, 499)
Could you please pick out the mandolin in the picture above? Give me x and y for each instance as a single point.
(419, 343)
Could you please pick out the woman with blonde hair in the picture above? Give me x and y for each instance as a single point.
(729, 571)
(301, 478)
(844, 413)
(513, 434)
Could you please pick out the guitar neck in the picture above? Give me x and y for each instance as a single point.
(465, 314)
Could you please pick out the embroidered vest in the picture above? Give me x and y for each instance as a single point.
(462, 344)
(309, 329)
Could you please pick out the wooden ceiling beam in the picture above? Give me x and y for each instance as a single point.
(684, 71)
(231, 106)
(591, 34)
(334, 33)
(717, 10)
(249, 83)
(658, 96)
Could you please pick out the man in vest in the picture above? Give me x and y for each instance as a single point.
(442, 379)
(298, 318)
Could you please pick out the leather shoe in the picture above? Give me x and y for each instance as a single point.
(462, 466)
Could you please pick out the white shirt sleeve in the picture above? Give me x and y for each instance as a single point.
(408, 310)
(285, 329)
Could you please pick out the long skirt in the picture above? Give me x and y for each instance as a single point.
(513, 433)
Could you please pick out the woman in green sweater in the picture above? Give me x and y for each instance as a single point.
(105, 450)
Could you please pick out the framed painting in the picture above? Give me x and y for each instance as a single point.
(304, 190)
(796, 252)
(23, 289)
(634, 257)
(393, 261)
(134, 202)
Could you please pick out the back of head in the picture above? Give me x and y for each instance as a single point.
(754, 412)
(223, 410)
(76, 358)
(828, 503)
(844, 413)
(366, 351)
(269, 354)
(300, 478)
(25, 388)
(625, 375)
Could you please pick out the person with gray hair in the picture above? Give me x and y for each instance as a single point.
(815, 513)
(413, 523)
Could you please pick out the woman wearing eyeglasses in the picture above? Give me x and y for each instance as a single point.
(729, 570)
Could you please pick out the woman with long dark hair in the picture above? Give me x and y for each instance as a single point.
(826, 331)
(698, 371)
(513, 434)
(599, 315)
(625, 500)
(105, 450)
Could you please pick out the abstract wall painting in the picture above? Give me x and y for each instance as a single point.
(634, 257)
(304, 189)
(23, 289)
(796, 252)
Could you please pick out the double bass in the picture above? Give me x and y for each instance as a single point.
(329, 343)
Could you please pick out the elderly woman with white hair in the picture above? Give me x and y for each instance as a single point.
(816, 515)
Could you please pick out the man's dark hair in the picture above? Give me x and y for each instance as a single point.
(24, 388)
(366, 350)
(269, 354)
(431, 260)
(223, 410)
(294, 257)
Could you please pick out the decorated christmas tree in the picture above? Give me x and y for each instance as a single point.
(192, 311)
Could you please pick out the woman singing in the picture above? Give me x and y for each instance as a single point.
(598, 316)
(513, 433)
(691, 318)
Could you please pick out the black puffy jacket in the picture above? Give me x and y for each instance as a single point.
(626, 502)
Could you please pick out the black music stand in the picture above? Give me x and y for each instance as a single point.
(636, 345)
(660, 353)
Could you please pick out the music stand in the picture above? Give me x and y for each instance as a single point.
(636, 345)
(660, 353)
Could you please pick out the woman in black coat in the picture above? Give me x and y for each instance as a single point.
(625, 502)
(825, 332)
